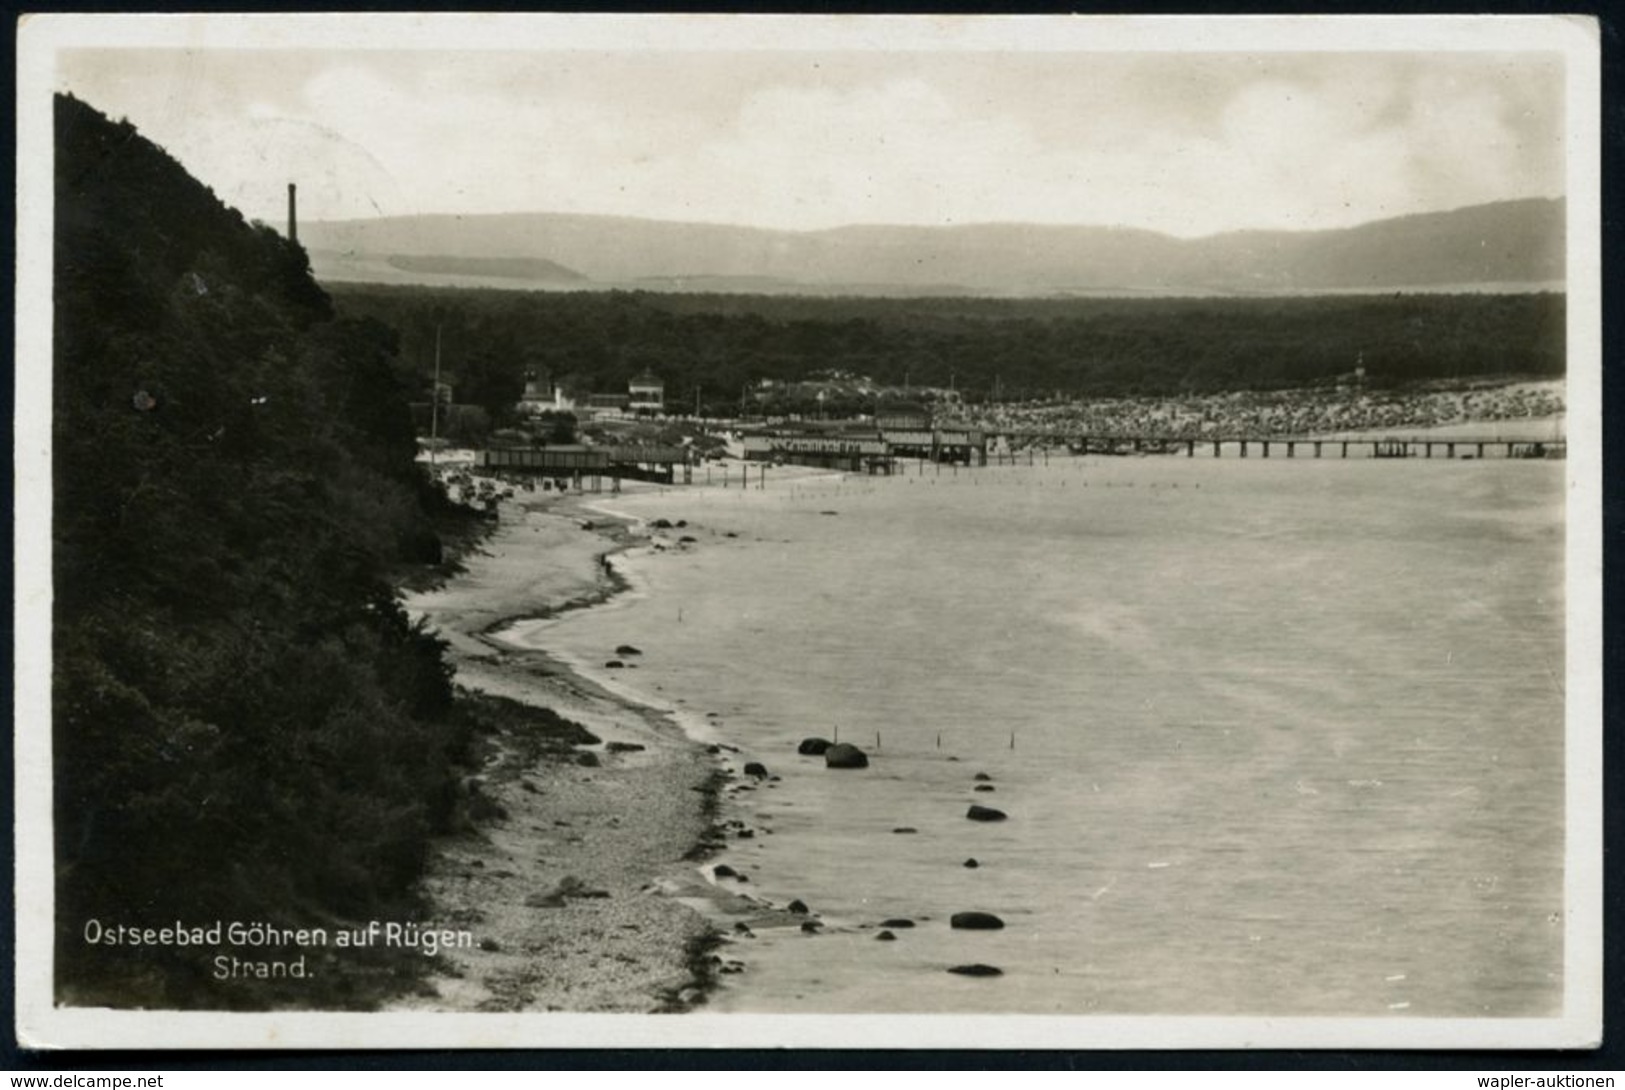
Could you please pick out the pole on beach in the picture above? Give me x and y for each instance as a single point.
(877, 739)
(1012, 739)
(837, 732)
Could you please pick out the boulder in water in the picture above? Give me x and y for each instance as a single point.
(977, 969)
(757, 769)
(975, 921)
(971, 863)
(886, 936)
(844, 755)
(984, 787)
(897, 921)
(627, 649)
(813, 747)
(985, 813)
(798, 906)
(981, 777)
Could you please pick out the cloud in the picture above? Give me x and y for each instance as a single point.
(1189, 144)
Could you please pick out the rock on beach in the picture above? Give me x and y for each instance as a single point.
(985, 813)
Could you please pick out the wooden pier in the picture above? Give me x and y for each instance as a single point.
(1244, 446)
(585, 468)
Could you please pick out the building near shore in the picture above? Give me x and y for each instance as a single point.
(646, 394)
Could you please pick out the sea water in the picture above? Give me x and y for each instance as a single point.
(1274, 737)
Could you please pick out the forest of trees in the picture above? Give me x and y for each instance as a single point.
(715, 346)
(246, 724)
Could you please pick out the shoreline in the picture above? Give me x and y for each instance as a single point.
(579, 878)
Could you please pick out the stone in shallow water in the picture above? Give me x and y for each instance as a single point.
(843, 755)
(984, 813)
(975, 921)
(977, 969)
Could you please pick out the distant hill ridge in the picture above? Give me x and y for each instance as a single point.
(1517, 242)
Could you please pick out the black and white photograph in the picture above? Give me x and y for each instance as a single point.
(827, 531)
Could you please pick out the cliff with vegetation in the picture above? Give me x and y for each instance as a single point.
(246, 725)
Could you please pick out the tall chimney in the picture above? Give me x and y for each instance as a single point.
(293, 213)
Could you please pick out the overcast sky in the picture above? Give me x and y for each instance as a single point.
(1180, 142)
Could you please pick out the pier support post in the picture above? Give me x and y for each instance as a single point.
(1215, 448)
(1345, 450)
(1481, 450)
(1450, 450)
(1244, 448)
(1317, 448)
(1190, 448)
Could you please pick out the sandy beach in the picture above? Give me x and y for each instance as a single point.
(582, 876)
(566, 879)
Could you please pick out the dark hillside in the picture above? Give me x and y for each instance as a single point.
(246, 726)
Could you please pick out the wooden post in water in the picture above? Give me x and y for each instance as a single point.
(1215, 448)
(1345, 450)
(1266, 445)
(1317, 448)
(1291, 447)
(1244, 448)
(1012, 738)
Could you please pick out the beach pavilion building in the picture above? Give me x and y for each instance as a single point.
(646, 394)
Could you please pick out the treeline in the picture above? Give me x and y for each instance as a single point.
(712, 348)
(246, 725)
